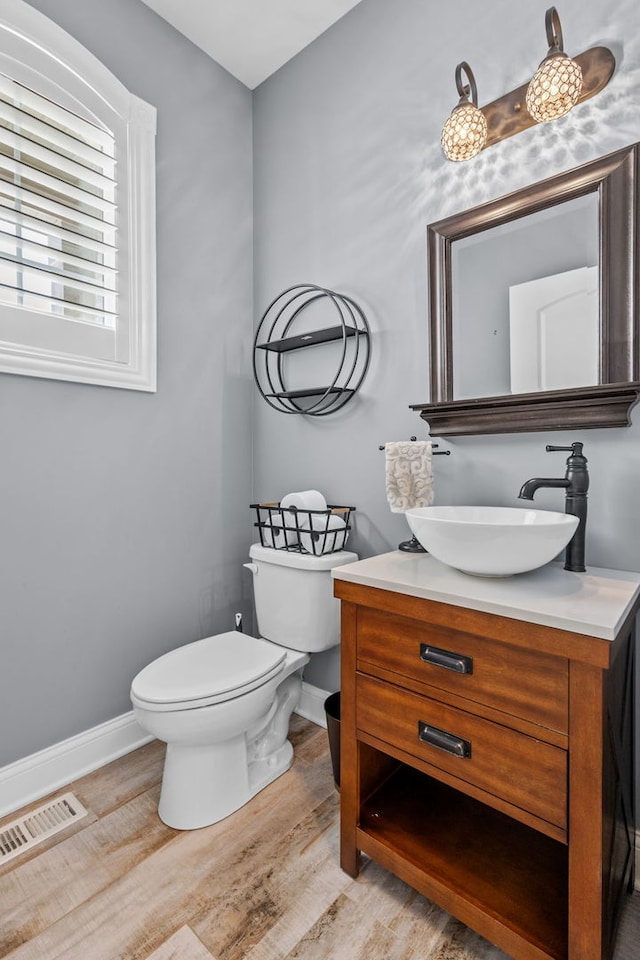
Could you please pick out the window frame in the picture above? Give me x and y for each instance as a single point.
(39, 54)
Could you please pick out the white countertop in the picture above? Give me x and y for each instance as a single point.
(595, 603)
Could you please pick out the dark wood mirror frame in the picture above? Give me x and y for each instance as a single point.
(615, 179)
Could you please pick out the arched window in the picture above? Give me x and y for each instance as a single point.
(77, 212)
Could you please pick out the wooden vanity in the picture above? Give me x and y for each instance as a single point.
(487, 745)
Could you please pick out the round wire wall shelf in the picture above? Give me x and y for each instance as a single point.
(289, 325)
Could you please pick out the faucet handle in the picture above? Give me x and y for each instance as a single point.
(575, 449)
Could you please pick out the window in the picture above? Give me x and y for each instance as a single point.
(77, 212)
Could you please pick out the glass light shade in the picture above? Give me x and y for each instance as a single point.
(465, 132)
(554, 89)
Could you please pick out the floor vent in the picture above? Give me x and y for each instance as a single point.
(38, 825)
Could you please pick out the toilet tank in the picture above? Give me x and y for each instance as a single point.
(294, 599)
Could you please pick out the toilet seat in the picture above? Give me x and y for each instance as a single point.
(207, 671)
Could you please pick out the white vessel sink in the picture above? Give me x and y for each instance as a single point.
(491, 541)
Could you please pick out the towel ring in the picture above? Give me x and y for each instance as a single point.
(436, 453)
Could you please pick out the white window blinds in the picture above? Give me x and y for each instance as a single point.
(58, 231)
(77, 212)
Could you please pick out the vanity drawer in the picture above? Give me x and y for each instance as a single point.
(517, 681)
(523, 771)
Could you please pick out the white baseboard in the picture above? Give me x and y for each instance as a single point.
(41, 773)
(57, 766)
(311, 705)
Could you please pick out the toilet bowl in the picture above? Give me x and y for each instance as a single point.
(222, 704)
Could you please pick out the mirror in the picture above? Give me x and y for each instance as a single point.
(524, 298)
(533, 320)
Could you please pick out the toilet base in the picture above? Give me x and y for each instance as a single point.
(202, 784)
(192, 795)
(264, 771)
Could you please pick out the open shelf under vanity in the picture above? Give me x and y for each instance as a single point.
(453, 847)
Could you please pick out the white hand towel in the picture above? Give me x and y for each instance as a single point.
(408, 474)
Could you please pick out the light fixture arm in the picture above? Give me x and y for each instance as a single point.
(554, 33)
(468, 91)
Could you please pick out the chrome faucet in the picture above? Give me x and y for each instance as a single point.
(576, 484)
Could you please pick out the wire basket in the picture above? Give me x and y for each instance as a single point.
(315, 532)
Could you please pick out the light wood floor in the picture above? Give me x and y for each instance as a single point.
(262, 885)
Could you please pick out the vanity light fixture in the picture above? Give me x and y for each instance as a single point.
(559, 84)
(465, 132)
(556, 85)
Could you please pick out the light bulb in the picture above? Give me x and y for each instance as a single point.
(557, 83)
(555, 89)
(465, 132)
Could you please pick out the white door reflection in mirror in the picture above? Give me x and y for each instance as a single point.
(554, 331)
(553, 241)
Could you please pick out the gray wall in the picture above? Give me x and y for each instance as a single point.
(348, 174)
(123, 515)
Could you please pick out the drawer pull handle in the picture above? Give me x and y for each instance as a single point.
(448, 742)
(444, 658)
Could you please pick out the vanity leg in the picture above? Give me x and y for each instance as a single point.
(349, 754)
(586, 822)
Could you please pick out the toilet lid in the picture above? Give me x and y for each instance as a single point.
(214, 669)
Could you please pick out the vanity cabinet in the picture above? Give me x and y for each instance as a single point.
(486, 745)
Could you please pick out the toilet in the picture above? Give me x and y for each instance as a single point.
(222, 705)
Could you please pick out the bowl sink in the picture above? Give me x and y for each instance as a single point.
(491, 541)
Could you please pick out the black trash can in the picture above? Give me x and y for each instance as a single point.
(332, 711)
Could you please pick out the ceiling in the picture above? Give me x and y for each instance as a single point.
(251, 38)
